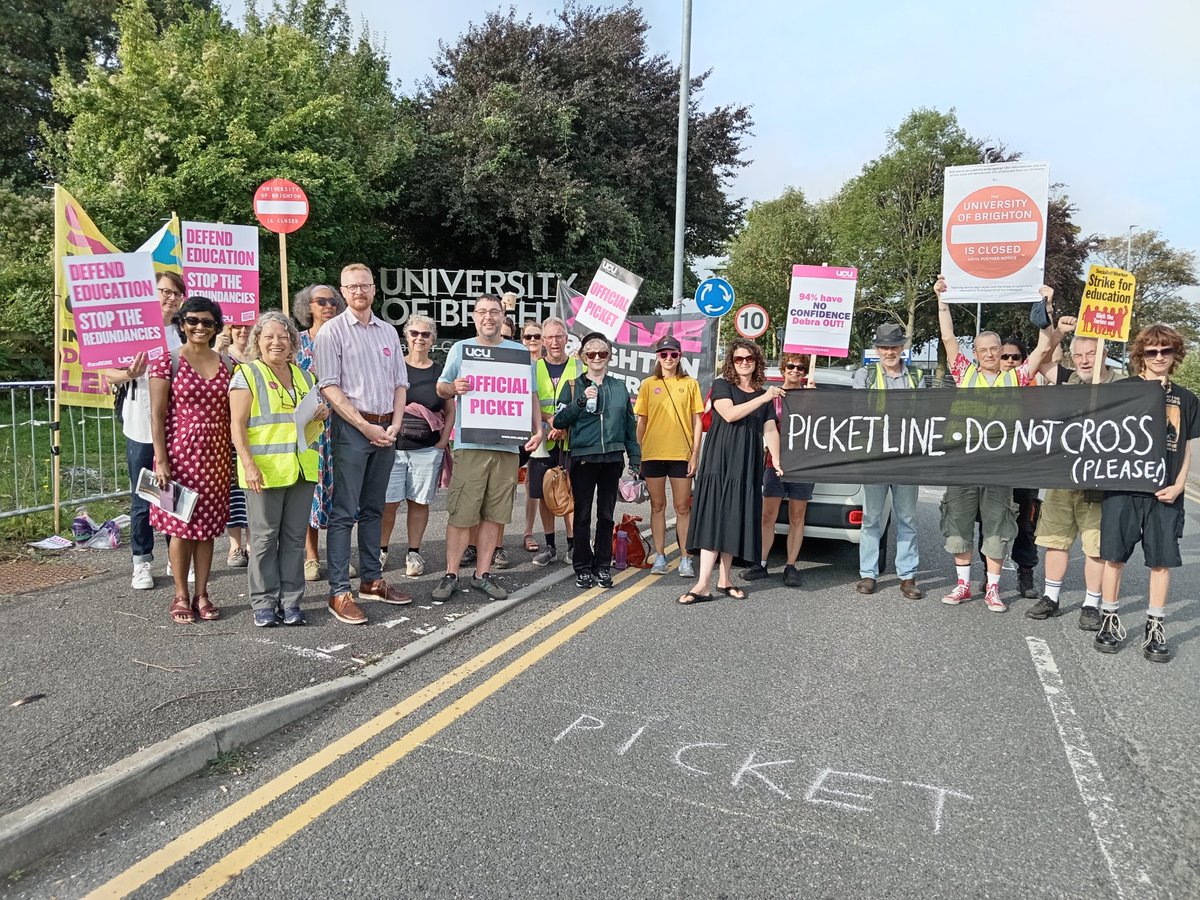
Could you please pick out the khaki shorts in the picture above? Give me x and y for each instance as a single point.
(1066, 515)
(481, 487)
(997, 515)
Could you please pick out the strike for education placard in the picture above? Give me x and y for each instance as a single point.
(994, 232)
(221, 262)
(820, 310)
(1107, 308)
(117, 313)
(498, 409)
(607, 300)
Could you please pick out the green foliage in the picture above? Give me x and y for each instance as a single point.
(195, 118)
(26, 284)
(548, 147)
(1188, 373)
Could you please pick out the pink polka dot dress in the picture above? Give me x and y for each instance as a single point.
(199, 448)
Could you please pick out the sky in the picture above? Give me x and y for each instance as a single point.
(1108, 92)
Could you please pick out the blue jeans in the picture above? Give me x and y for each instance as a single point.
(904, 511)
(139, 456)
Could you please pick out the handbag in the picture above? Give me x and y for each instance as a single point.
(633, 490)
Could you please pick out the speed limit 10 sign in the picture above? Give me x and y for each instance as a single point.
(752, 321)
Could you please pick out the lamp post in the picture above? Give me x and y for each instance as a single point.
(685, 57)
(1128, 246)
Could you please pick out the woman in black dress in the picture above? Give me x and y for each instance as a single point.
(728, 494)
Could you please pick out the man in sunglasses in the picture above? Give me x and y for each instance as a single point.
(889, 374)
(992, 505)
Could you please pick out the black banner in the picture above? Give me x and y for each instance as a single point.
(1104, 437)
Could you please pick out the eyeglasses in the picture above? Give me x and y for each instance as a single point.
(596, 354)
(488, 313)
(421, 334)
(791, 367)
(668, 354)
(531, 337)
(359, 288)
(323, 301)
(554, 337)
(1154, 353)
(739, 360)
(197, 322)
(170, 294)
(1011, 356)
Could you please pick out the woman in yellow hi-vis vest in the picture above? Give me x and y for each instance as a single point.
(278, 477)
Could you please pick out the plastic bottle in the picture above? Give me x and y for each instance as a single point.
(621, 554)
(591, 404)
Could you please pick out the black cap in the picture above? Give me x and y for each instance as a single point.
(668, 343)
(594, 336)
(890, 336)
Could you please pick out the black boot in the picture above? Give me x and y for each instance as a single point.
(1108, 638)
(1154, 647)
(1025, 583)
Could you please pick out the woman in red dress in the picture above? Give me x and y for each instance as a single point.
(189, 413)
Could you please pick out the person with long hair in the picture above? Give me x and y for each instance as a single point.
(313, 306)
(265, 391)
(728, 510)
(189, 412)
(668, 410)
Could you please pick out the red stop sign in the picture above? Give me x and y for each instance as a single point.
(280, 205)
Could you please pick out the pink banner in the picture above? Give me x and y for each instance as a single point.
(116, 308)
(221, 262)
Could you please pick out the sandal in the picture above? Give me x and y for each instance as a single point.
(531, 546)
(689, 598)
(181, 611)
(205, 608)
(733, 591)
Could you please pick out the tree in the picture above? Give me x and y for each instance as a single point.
(548, 147)
(195, 118)
(778, 234)
(1161, 272)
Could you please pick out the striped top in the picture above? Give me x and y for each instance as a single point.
(365, 361)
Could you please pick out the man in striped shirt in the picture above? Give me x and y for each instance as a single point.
(361, 373)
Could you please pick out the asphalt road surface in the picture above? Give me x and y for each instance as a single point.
(808, 742)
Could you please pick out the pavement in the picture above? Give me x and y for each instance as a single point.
(127, 702)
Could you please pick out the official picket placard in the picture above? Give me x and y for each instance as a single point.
(606, 303)
(820, 310)
(221, 262)
(994, 232)
(498, 407)
(117, 313)
(1108, 437)
(1107, 308)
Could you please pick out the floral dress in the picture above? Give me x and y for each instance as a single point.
(199, 448)
(323, 494)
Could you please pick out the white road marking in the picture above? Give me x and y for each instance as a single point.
(392, 623)
(1128, 877)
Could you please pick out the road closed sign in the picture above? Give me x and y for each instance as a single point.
(994, 232)
(280, 205)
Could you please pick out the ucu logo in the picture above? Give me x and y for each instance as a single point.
(477, 352)
(843, 273)
(610, 267)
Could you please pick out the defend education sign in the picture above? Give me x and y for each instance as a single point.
(1107, 437)
(499, 407)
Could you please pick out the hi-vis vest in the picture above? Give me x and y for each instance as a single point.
(973, 378)
(877, 378)
(549, 394)
(271, 431)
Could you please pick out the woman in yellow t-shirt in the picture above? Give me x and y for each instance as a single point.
(668, 412)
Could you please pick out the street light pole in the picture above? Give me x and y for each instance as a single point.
(685, 57)
(1128, 246)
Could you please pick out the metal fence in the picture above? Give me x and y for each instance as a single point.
(93, 451)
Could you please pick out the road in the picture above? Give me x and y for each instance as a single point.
(807, 742)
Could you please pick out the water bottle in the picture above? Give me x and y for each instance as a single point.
(591, 403)
(621, 554)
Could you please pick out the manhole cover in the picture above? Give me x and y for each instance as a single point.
(23, 575)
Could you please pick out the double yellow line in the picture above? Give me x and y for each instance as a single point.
(229, 866)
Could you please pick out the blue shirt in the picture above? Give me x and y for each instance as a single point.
(453, 367)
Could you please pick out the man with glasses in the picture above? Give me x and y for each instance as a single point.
(993, 506)
(889, 374)
(485, 475)
(1155, 520)
(363, 376)
(552, 373)
(134, 410)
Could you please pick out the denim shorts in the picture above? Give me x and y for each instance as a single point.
(774, 486)
(415, 475)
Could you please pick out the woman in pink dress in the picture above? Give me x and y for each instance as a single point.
(189, 413)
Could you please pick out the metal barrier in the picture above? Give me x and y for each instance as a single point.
(93, 451)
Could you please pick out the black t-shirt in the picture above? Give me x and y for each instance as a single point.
(415, 433)
(1183, 425)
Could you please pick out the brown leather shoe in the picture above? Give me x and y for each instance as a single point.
(381, 590)
(344, 609)
(908, 587)
(866, 586)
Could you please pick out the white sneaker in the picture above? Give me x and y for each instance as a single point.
(142, 580)
(414, 565)
(191, 572)
(382, 560)
(660, 565)
(686, 567)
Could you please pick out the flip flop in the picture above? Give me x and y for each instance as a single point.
(695, 598)
(729, 592)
